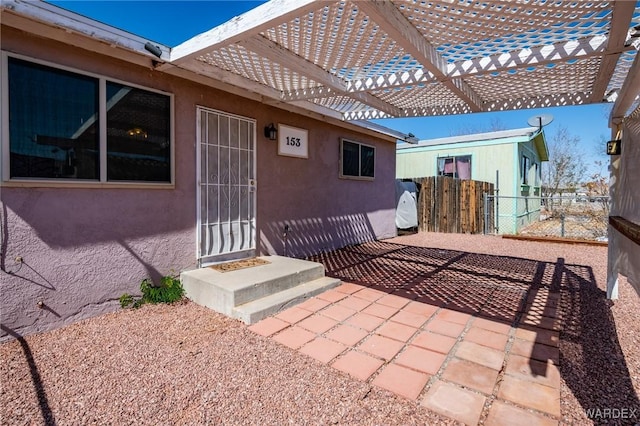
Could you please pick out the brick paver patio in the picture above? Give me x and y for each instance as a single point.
(488, 350)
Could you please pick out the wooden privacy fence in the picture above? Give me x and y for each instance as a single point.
(453, 205)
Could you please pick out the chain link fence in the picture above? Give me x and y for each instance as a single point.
(573, 217)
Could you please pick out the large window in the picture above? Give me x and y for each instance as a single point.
(357, 160)
(455, 166)
(56, 119)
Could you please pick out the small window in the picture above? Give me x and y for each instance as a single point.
(524, 170)
(357, 160)
(55, 123)
(455, 166)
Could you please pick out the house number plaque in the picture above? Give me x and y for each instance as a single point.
(293, 142)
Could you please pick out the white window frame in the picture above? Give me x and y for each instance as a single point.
(5, 173)
(360, 144)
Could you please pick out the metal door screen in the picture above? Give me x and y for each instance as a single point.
(226, 186)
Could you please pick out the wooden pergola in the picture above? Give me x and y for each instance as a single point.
(360, 60)
(353, 61)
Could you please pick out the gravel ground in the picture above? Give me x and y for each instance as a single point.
(184, 364)
(588, 228)
(181, 364)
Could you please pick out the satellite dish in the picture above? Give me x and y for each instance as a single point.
(540, 120)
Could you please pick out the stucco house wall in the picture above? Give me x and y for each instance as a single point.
(82, 246)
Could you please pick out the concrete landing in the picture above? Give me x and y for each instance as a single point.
(251, 294)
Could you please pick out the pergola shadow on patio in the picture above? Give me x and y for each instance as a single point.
(557, 314)
(494, 287)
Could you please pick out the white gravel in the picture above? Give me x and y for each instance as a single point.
(184, 364)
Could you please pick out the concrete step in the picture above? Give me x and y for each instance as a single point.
(222, 291)
(253, 312)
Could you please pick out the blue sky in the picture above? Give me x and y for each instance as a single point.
(173, 22)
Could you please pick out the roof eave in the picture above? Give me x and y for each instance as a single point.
(502, 136)
(46, 20)
(540, 142)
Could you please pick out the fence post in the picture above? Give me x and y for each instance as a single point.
(497, 214)
(486, 212)
(562, 224)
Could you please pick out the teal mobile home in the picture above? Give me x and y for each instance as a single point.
(511, 159)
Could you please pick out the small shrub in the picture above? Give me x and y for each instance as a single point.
(170, 290)
(126, 300)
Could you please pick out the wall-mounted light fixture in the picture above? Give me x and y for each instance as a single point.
(270, 132)
(614, 147)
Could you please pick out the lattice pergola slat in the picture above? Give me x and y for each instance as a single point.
(371, 59)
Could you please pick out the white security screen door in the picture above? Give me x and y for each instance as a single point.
(226, 186)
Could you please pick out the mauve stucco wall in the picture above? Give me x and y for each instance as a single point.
(323, 211)
(83, 248)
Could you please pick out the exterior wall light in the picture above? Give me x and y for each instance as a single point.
(614, 147)
(270, 132)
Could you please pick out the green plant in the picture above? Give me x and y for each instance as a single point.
(170, 290)
(126, 300)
